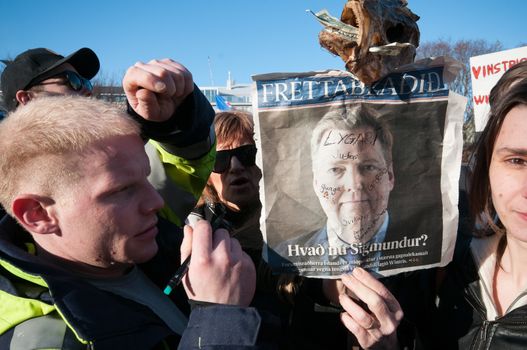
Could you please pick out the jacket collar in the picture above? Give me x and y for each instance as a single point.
(97, 316)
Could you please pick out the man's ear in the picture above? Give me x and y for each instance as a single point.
(35, 214)
(391, 176)
(23, 96)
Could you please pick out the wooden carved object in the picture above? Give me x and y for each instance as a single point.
(373, 36)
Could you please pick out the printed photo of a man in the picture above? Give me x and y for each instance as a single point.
(352, 175)
(351, 153)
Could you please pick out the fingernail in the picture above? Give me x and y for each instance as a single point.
(160, 86)
(357, 270)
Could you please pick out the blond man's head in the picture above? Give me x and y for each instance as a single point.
(41, 143)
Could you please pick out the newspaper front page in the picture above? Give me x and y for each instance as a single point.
(358, 175)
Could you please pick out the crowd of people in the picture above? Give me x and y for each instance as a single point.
(97, 198)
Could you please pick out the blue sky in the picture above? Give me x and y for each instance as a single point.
(244, 37)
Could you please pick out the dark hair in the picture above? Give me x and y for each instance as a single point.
(509, 92)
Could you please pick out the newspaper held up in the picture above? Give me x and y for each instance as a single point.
(357, 175)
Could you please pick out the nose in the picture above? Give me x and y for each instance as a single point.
(85, 92)
(82, 92)
(354, 181)
(236, 165)
(525, 185)
(152, 201)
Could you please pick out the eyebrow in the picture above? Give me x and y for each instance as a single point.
(360, 161)
(510, 150)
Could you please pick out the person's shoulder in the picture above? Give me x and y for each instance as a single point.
(49, 332)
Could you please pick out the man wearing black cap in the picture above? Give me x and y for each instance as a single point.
(175, 116)
(42, 71)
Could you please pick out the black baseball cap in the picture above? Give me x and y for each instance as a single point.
(33, 64)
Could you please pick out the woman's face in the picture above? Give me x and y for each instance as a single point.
(237, 186)
(508, 173)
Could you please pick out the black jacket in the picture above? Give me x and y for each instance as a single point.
(460, 321)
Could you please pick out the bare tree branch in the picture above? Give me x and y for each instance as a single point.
(461, 50)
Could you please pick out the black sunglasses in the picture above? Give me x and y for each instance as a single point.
(245, 154)
(74, 80)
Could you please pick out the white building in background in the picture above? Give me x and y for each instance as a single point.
(238, 95)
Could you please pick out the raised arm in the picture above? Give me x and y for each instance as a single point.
(176, 118)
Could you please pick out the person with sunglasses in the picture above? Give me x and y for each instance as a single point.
(68, 79)
(232, 189)
(42, 72)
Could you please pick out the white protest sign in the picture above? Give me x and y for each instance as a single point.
(485, 71)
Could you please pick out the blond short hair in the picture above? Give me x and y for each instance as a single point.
(38, 138)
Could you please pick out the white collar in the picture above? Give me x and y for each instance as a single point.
(484, 251)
